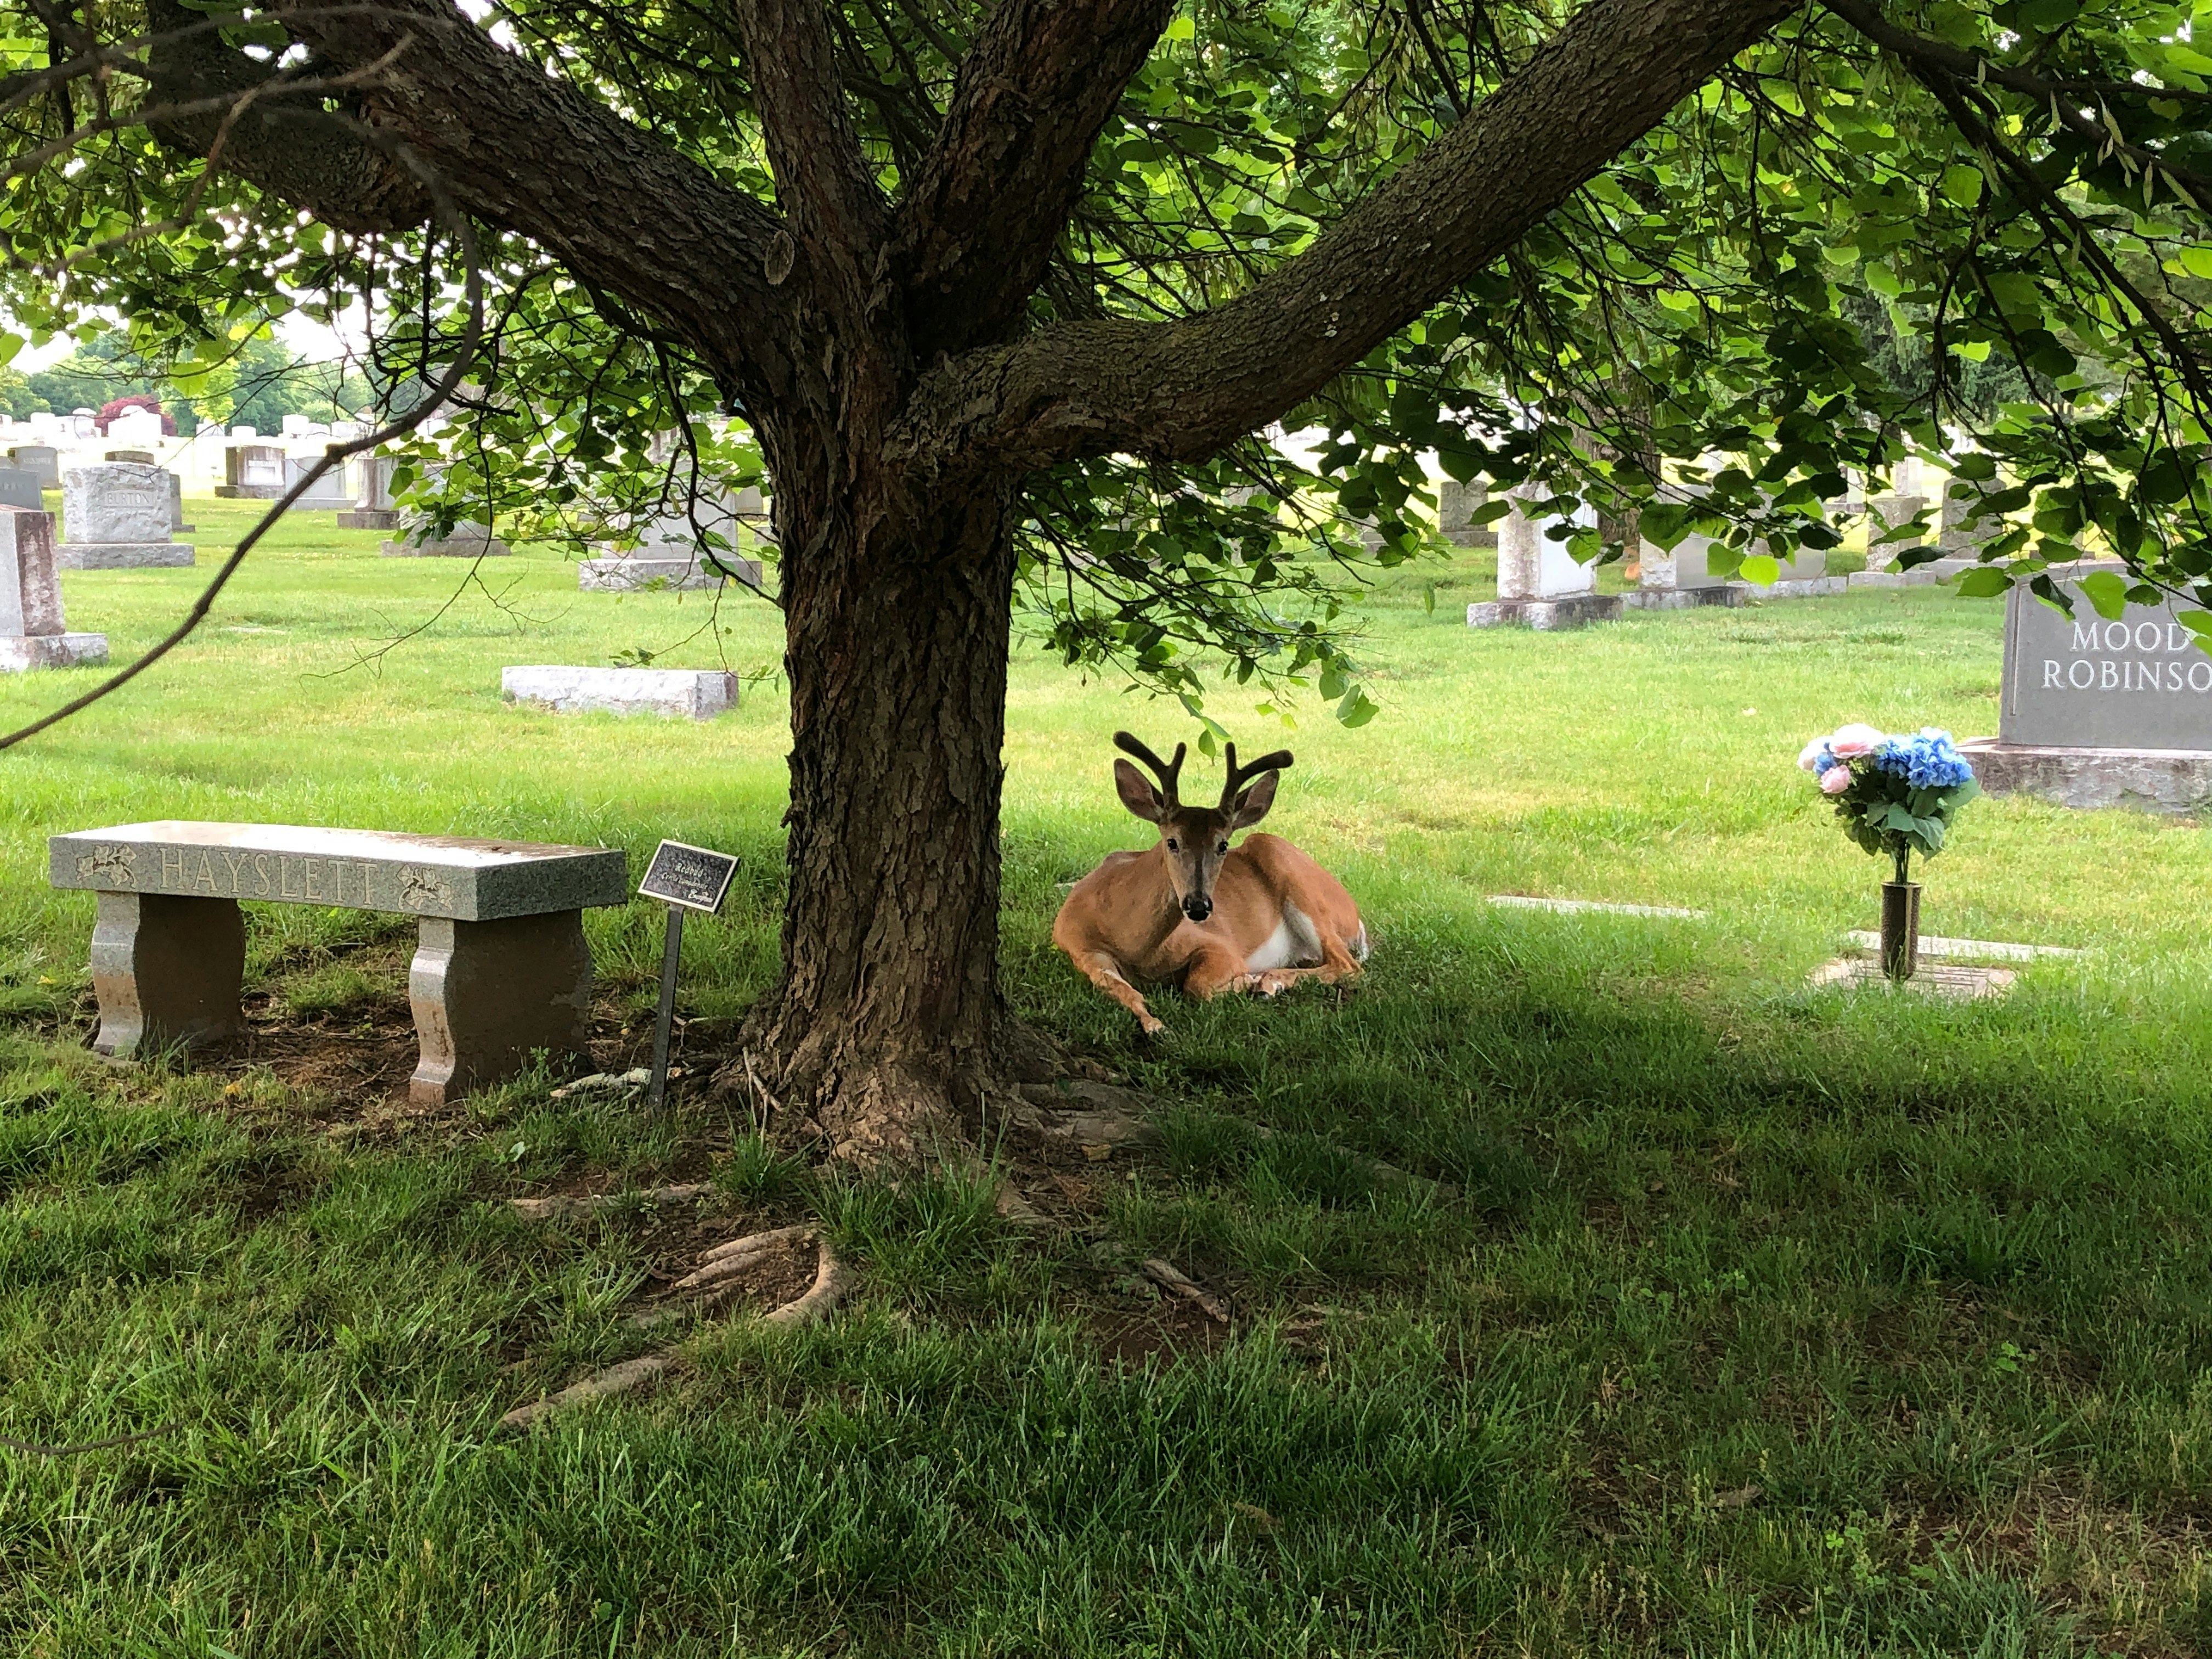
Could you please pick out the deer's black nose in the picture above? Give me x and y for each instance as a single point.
(1197, 908)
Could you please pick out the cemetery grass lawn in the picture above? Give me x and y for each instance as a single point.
(1765, 1319)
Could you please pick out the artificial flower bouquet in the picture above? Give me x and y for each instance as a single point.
(1894, 794)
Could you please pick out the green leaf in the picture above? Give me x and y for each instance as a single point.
(1985, 583)
(1963, 185)
(1357, 708)
(1761, 568)
(2107, 592)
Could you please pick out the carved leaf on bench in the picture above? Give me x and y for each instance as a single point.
(421, 891)
(112, 867)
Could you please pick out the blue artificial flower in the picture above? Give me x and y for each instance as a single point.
(1926, 760)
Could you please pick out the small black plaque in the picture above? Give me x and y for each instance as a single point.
(696, 878)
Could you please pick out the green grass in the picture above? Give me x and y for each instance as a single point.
(1767, 1322)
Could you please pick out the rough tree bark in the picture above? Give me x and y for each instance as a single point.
(881, 349)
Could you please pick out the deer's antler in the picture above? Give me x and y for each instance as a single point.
(1165, 771)
(1233, 786)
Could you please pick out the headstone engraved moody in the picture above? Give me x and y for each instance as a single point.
(683, 877)
(33, 634)
(2097, 712)
(500, 966)
(117, 516)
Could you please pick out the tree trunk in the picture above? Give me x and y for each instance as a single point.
(886, 1023)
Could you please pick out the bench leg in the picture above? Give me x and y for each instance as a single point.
(166, 969)
(486, 993)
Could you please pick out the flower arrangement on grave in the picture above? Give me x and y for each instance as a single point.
(1897, 795)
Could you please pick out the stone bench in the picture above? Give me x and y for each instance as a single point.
(500, 967)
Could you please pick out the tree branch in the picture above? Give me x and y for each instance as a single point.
(532, 155)
(823, 183)
(988, 205)
(1180, 391)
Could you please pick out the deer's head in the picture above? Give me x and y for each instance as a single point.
(1195, 839)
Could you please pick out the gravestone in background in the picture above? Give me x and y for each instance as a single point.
(327, 492)
(372, 507)
(33, 633)
(1540, 583)
(468, 541)
(21, 489)
(43, 461)
(673, 693)
(625, 574)
(1680, 578)
(252, 472)
(118, 518)
(177, 506)
(2099, 713)
(1457, 503)
(142, 456)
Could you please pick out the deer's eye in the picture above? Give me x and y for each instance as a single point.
(1171, 845)
(1222, 847)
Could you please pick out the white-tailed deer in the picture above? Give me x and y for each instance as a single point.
(1259, 917)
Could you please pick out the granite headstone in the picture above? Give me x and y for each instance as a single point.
(2100, 712)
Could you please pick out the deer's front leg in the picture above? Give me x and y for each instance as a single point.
(1215, 968)
(1102, 971)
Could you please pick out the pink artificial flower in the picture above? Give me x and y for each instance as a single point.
(1836, 780)
(1856, 740)
(1809, 756)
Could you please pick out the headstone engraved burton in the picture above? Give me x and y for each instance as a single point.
(117, 516)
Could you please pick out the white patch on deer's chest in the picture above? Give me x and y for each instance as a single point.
(1293, 943)
(1274, 952)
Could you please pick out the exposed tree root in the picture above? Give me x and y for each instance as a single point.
(822, 1299)
(616, 1379)
(559, 1209)
(1168, 1277)
(830, 1284)
(732, 1257)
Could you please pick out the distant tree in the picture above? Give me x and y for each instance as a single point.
(1003, 293)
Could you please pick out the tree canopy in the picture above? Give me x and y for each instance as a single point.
(2023, 183)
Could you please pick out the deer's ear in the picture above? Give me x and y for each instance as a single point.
(1137, 793)
(1252, 805)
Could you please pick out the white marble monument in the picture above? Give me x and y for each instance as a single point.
(672, 693)
(1540, 584)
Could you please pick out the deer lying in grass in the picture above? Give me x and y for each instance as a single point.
(1260, 917)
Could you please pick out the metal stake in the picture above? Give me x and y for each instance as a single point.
(659, 1086)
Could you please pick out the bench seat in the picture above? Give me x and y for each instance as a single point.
(500, 967)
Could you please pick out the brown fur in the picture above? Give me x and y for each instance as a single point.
(1192, 907)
